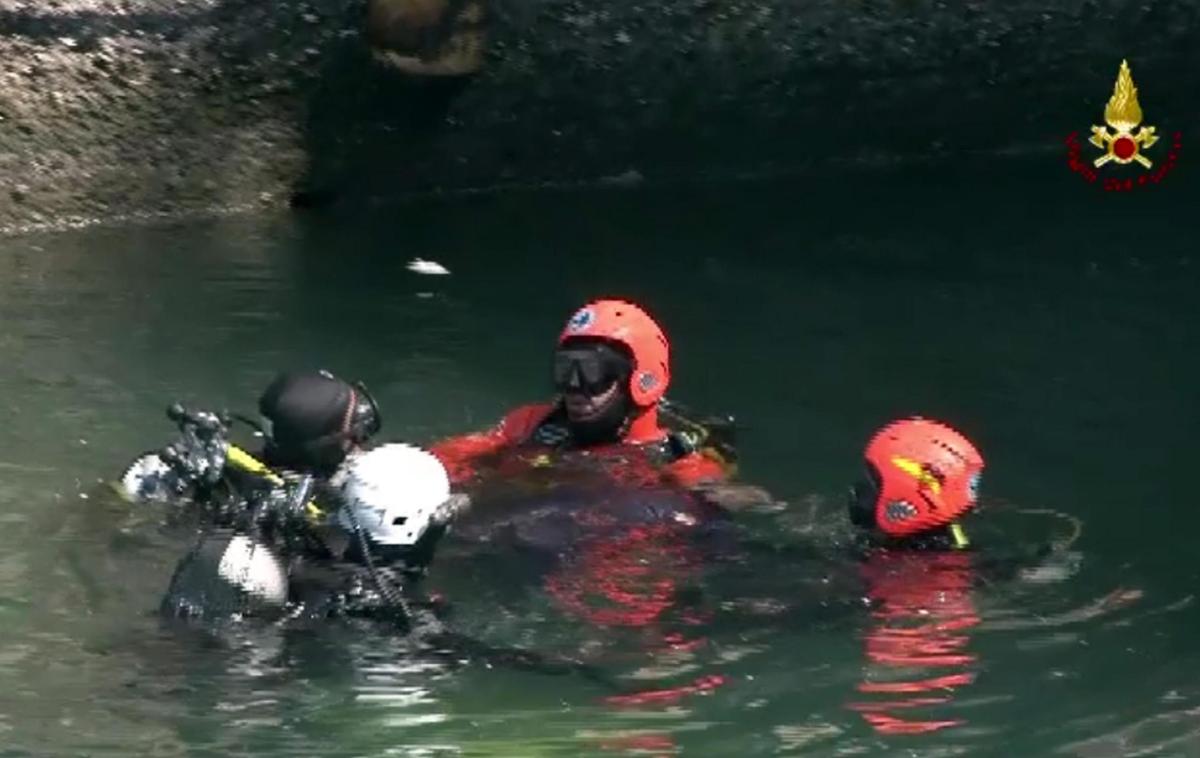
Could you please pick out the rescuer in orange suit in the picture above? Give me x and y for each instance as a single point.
(625, 485)
(611, 370)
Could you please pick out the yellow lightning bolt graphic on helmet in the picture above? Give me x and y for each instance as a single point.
(918, 472)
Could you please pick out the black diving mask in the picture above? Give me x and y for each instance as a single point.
(590, 369)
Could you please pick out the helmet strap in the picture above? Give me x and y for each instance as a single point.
(959, 535)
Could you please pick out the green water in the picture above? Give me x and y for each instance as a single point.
(1058, 327)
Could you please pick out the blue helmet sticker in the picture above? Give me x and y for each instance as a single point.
(973, 486)
(646, 381)
(899, 510)
(581, 320)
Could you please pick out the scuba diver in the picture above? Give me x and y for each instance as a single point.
(314, 499)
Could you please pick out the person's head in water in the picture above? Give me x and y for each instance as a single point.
(611, 368)
(316, 420)
(921, 477)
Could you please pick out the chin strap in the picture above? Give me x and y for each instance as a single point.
(961, 542)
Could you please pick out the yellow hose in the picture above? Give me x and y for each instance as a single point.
(239, 458)
(246, 462)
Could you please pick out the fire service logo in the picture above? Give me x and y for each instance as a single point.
(1124, 142)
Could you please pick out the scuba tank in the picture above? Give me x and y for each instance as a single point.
(227, 575)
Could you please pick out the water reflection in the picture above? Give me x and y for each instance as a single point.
(918, 645)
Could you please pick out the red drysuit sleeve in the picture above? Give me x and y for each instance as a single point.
(459, 454)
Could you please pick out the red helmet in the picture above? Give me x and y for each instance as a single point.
(923, 475)
(627, 324)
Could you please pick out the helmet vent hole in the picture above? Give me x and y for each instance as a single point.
(400, 521)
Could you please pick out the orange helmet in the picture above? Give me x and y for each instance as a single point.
(922, 475)
(626, 324)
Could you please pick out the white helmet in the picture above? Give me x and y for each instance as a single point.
(395, 492)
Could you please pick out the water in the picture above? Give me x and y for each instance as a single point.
(1057, 325)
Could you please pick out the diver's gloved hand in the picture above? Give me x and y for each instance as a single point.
(1057, 566)
(739, 498)
(454, 507)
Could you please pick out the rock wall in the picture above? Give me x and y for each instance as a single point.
(128, 108)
